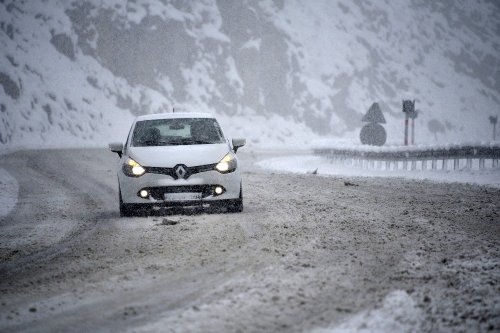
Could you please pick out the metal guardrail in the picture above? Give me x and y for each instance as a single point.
(462, 156)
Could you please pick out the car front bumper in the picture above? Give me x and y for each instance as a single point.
(158, 185)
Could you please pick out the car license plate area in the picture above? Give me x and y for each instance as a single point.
(189, 196)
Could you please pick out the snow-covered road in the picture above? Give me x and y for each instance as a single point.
(309, 253)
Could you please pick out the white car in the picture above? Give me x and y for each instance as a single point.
(178, 159)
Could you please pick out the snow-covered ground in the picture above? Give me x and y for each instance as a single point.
(307, 163)
(307, 253)
(397, 313)
(342, 144)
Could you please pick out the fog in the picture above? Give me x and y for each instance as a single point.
(341, 172)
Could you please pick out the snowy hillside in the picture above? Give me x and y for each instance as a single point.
(285, 72)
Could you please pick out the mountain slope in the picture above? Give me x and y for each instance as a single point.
(279, 72)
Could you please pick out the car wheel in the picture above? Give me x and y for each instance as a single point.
(125, 210)
(236, 206)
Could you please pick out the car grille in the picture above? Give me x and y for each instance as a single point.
(189, 170)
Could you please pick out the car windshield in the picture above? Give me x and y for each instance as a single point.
(177, 131)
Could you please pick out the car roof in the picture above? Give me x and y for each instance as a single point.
(172, 115)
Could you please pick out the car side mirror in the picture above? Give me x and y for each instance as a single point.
(116, 147)
(238, 143)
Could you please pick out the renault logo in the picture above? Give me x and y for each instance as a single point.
(181, 171)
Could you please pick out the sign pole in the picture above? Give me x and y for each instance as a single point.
(406, 129)
(412, 131)
(410, 113)
(493, 121)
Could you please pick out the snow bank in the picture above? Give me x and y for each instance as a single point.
(339, 145)
(398, 313)
(310, 163)
(9, 189)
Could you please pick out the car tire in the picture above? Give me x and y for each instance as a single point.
(125, 209)
(236, 206)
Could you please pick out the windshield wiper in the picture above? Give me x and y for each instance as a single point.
(178, 143)
(201, 142)
(170, 143)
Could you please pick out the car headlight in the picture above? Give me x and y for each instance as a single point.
(227, 164)
(133, 169)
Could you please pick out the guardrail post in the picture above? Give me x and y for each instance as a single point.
(495, 163)
(388, 165)
(434, 164)
(405, 165)
(456, 164)
(445, 164)
(469, 163)
(481, 163)
(424, 165)
(413, 165)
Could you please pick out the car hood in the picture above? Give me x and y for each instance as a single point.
(170, 156)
